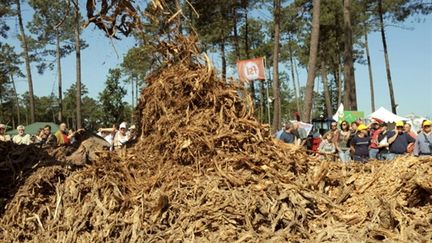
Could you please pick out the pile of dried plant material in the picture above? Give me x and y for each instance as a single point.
(16, 162)
(204, 169)
(377, 201)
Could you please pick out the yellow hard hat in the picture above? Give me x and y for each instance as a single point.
(361, 127)
(399, 124)
(427, 123)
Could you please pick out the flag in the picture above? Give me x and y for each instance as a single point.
(251, 69)
(339, 113)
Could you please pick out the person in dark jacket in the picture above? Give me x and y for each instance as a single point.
(287, 135)
(400, 141)
(360, 144)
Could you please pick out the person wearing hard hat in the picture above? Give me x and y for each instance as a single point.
(423, 143)
(400, 141)
(360, 144)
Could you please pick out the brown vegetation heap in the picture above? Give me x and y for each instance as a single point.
(205, 170)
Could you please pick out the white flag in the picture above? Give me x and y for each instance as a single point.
(339, 113)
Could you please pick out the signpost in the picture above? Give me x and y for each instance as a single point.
(253, 69)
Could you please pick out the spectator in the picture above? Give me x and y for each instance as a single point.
(108, 134)
(287, 136)
(132, 133)
(37, 138)
(423, 143)
(279, 132)
(383, 143)
(327, 146)
(47, 138)
(374, 148)
(64, 137)
(334, 130)
(342, 145)
(400, 141)
(407, 130)
(121, 137)
(300, 133)
(360, 144)
(3, 136)
(354, 126)
(22, 137)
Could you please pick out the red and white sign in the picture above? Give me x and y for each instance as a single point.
(251, 69)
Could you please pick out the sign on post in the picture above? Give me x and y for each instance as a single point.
(251, 69)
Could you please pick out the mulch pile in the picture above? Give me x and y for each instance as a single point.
(204, 169)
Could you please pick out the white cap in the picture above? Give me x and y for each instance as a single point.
(123, 125)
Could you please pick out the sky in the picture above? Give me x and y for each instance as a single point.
(410, 52)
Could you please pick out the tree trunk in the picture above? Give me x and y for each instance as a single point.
(133, 101)
(27, 62)
(350, 98)
(16, 100)
(296, 88)
(246, 42)
(326, 90)
(276, 83)
(235, 33)
(222, 49)
(308, 99)
(59, 73)
(262, 100)
(370, 72)
(78, 66)
(298, 85)
(386, 58)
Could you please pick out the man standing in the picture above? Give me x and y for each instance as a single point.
(3, 136)
(400, 141)
(22, 137)
(375, 131)
(423, 143)
(360, 144)
(383, 143)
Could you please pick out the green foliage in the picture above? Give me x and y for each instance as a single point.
(136, 64)
(214, 24)
(111, 99)
(52, 21)
(5, 10)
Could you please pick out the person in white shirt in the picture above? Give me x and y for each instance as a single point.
(22, 137)
(121, 137)
(3, 136)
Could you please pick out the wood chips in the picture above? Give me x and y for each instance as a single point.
(205, 170)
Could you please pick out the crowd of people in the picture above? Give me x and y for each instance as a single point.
(345, 141)
(360, 142)
(44, 137)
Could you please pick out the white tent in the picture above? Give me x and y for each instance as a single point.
(386, 115)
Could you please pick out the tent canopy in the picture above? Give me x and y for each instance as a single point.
(386, 115)
(33, 128)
